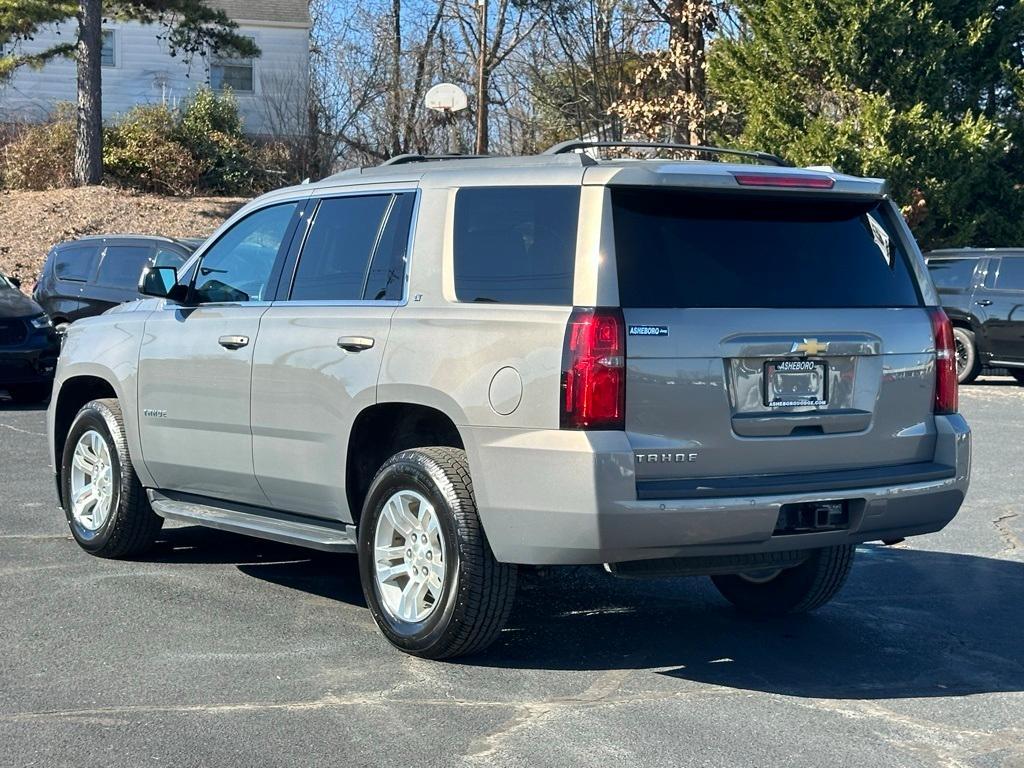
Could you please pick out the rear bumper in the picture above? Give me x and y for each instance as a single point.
(564, 497)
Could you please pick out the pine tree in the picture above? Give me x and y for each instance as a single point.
(191, 27)
(926, 93)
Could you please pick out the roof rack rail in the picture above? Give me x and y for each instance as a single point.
(574, 144)
(415, 158)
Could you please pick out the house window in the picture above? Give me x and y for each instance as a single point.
(232, 72)
(107, 56)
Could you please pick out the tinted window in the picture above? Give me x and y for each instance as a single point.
(75, 263)
(955, 274)
(238, 267)
(122, 265)
(338, 247)
(387, 271)
(516, 245)
(1011, 274)
(677, 249)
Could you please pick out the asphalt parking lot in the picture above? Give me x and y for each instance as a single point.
(222, 650)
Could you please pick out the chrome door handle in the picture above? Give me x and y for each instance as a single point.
(233, 342)
(984, 302)
(355, 343)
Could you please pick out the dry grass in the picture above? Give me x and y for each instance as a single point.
(31, 222)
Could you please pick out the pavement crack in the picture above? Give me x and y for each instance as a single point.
(943, 743)
(22, 431)
(526, 715)
(1012, 543)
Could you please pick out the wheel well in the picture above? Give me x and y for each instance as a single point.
(383, 430)
(74, 393)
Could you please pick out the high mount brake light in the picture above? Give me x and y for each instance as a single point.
(791, 181)
(946, 386)
(594, 370)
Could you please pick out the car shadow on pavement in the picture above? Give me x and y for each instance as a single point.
(335, 577)
(8, 405)
(909, 623)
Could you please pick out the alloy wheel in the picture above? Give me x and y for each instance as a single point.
(92, 481)
(409, 556)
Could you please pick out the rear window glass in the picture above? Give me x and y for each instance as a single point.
(122, 266)
(334, 259)
(75, 263)
(952, 274)
(680, 249)
(516, 245)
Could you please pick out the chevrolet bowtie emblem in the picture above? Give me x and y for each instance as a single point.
(809, 348)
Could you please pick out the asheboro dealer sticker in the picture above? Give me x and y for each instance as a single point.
(648, 330)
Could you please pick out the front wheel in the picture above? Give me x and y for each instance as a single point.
(428, 573)
(794, 590)
(105, 504)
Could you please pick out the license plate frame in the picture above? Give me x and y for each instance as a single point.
(795, 383)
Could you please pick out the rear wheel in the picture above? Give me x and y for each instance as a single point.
(967, 365)
(428, 573)
(106, 506)
(794, 590)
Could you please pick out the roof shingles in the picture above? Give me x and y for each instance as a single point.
(294, 11)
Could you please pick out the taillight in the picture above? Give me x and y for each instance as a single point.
(594, 370)
(805, 181)
(946, 398)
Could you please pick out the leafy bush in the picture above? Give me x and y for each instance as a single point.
(143, 151)
(211, 128)
(200, 147)
(41, 156)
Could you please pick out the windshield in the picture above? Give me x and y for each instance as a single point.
(686, 249)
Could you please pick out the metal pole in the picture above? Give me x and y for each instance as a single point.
(481, 82)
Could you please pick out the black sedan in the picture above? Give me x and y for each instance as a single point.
(29, 345)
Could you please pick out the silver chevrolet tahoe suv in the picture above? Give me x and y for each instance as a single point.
(461, 368)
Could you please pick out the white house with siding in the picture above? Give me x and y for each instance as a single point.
(138, 69)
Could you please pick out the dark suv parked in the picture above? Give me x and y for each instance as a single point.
(28, 345)
(982, 291)
(88, 276)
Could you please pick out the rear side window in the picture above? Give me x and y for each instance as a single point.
(681, 249)
(516, 245)
(75, 263)
(953, 274)
(122, 266)
(1011, 274)
(341, 240)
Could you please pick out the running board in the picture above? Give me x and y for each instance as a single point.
(324, 535)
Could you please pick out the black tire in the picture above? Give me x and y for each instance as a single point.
(29, 394)
(794, 590)
(1018, 374)
(131, 526)
(967, 364)
(478, 591)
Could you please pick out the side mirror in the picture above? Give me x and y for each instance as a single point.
(162, 282)
(15, 281)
